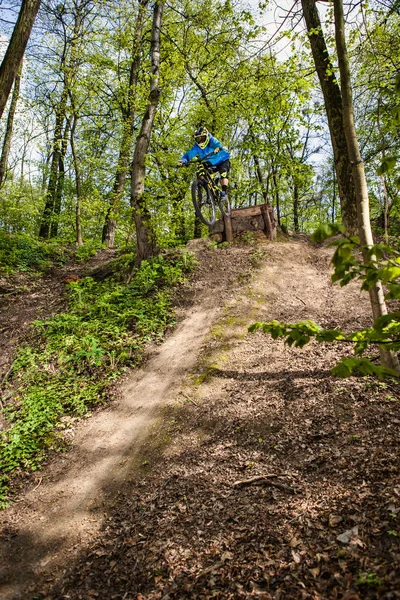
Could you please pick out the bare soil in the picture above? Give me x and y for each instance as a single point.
(230, 466)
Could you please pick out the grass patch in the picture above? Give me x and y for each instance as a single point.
(76, 354)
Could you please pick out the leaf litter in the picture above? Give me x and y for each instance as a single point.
(201, 519)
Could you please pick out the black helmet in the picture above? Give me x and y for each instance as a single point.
(202, 137)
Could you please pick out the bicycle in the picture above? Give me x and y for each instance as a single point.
(206, 191)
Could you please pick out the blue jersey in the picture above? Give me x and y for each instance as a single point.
(214, 159)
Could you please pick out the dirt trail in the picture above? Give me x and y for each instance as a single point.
(254, 406)
(67, 507)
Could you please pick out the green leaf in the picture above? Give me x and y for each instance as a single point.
(385, 320)
(388, 163)
(389, 273)
(330, 335)
(394, 291)
(254, 327)
(348, 366)
(343, 369)
(326, 230)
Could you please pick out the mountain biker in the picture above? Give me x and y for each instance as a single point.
(206, 144)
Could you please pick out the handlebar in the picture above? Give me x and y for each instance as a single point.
(196, 159)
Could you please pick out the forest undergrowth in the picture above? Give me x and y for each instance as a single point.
(67, 364)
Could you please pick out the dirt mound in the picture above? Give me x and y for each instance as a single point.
(232, 466)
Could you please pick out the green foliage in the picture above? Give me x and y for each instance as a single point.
(86, 251)
(387, 164)
(76, 354)
(23, 253)
(326, 230)
(380, 263)
(368, 579)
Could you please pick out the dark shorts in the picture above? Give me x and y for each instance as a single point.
(223, 168)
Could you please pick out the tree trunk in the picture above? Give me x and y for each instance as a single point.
(47, 218)
(260, 177)
(268, 213)
(60, 183)
(78, 185)
(296, 205)
(378, 305)
(110, 224)
(145, 242)
(334, 111)
(277, 202)
(16, 49)
(333, 194)
(9, 127)
(383, 181)
(177, 199)
(197, 228)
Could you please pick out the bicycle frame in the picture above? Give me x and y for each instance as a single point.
(212, 178)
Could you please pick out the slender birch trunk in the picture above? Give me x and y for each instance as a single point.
(78, 184)
(145, 242)
(377, 299)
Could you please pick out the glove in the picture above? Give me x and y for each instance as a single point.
(218, 149)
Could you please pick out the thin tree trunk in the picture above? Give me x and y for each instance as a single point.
(334, 111)
(16, 48)
(333, 194)
(145, 242)
(385, 191)
(269, 217)
(78, 184)
(197, 228)
(110, 224)
(296, 207)
(9, 127)
(386, 208)
(277, 202)
(377, 300)
(260, 177)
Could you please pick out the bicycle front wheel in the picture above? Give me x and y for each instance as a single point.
(203, 201)
(224, 206)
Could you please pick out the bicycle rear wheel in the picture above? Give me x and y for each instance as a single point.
(224, 206)
(203, 201)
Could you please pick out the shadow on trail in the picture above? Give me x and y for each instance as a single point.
(286, 374)
(183, 528)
